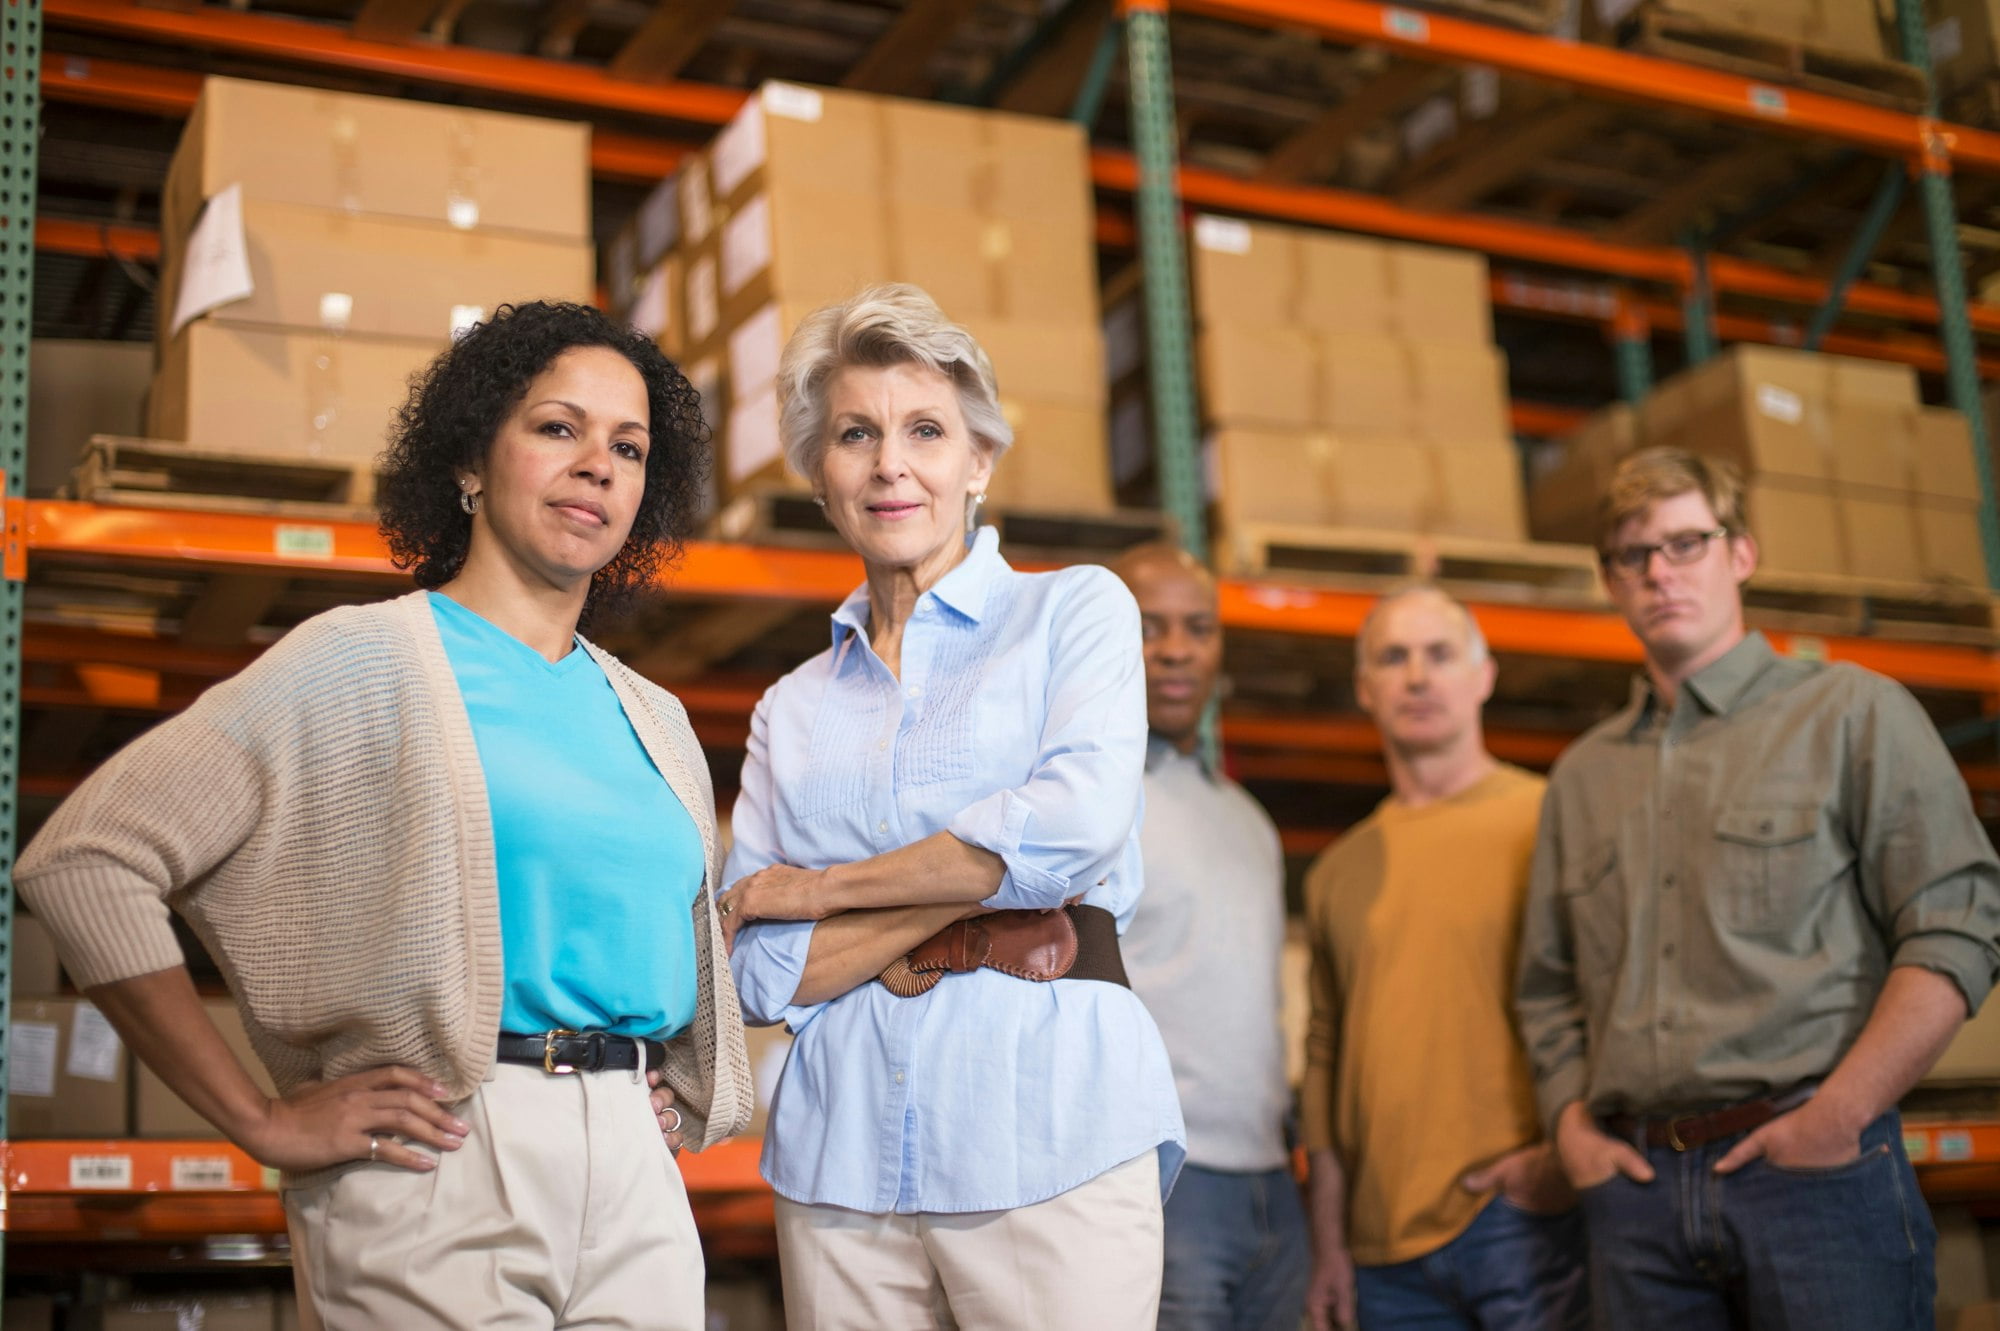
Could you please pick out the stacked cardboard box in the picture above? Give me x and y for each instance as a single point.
(158, 1112)
(319, 248)
(1845, 471)
(1352, 382)
(1964, 42)
(810, 195)
(1843, 27)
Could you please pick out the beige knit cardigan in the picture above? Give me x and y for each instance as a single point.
(321, 821)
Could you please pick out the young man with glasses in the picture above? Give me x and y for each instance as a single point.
(1761, 905)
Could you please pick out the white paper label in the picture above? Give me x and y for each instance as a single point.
(290, 542)
(336, 310)
(752, 443)
(1946, 41)
(215, 266)
(704, 302)
(1780, 404)
(1223, 235)
(793, 102)
(31, 1058)
(652, 312)
(754, 349)
(202, 1173)
(95, 1050)
(461, 212)
(697, 209)
(746, 245)
(464, 317)
(1614, 11)
(739, 150)
(112, 1173)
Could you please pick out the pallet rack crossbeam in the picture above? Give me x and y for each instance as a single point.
(1881, 210)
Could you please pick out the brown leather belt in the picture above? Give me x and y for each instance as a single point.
(1074, 943)
(1686, 1131)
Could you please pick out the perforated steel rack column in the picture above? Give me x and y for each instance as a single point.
(20, 116)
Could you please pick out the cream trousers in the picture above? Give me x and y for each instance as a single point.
(564, 1208)
(1087, 1259)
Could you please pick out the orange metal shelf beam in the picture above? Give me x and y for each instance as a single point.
(94, 240)
(532, 78)
(1621, 75)
(1348, 211)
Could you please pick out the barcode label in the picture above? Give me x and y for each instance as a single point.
(202, 1172)
(100, 1171)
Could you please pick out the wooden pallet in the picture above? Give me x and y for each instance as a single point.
(159, 473)
(1848, 606)
(1480, 569)
(1658, 30)
(1529, 15)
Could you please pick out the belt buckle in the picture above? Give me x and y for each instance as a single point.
(1674, 1131)
(549, 1064)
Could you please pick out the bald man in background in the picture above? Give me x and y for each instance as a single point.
(1435, 1204)
(1202, 952)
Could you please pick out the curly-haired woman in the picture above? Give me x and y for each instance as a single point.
(458, 866)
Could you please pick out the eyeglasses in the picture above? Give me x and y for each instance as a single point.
(1632, 561)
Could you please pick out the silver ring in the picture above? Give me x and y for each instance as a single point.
(373, 1144)
(674, 1126)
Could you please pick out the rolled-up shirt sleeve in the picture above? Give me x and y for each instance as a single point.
(1064, 828)
(770, 955)
(1547, 1002)
(1927, 867)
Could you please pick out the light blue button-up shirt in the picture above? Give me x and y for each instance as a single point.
(1018, 725)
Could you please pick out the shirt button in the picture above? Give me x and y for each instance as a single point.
(1668, 952)
(1765, 826)
(1667, 881)
(881, 744)
(1666, 1023)
(883, 827)
(916, 690)
(1666, 813)
(899, 1079)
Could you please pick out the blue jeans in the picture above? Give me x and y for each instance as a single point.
(1509, 1271)
(1237, 1258)
(1765, 1249)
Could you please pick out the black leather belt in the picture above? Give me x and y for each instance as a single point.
(561, 1052)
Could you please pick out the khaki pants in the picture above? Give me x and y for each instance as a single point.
(564, 1208)
(1087, 1259)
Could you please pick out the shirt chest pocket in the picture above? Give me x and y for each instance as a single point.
(1770, 860)
(1596, 910)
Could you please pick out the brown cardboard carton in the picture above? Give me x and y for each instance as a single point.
(1964, 42)
(382, 155)
(314, 268)
(1849, 27)
(282, 394)
(1943, 465)
(1874, 444)
(1266, 376)
(67, 1071)
(1366, 386)
(1245, 273)
(1060, 461)
(1439, 295)
(1563, 498)
(1949, 542)
(1797, 525)
(1276, 476)
(1043, 360)
(952, 253)
(33, 969)
(1881, 531)
(1479, 493)
(1343, 284)
(1459, 394)
(1041, 271)
(1851, 379)
(801, 244)
(933, 153)
(1388, 484)
(78, 388)
(813, 139)
(158, 1112)
(1763, 409)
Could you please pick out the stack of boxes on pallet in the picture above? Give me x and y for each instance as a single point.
(1351, 382)
(1846, 472)
(1839, 27)
(319, 248)
(810, 195)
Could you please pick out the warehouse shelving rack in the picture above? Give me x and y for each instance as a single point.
(41, 1195)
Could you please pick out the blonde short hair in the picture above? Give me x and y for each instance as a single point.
(1653, 474)
(893, 324)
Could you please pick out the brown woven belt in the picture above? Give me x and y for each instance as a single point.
(1074, 943)
(1686, 1131)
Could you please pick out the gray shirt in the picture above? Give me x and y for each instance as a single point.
(1202, 951)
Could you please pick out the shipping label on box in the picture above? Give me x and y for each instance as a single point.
(67, 1073)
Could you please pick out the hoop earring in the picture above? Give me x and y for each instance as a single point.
(469, 501)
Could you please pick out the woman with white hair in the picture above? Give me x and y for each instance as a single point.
(936, 848)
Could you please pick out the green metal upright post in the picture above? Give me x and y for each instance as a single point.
(1090, 97)
(1933, 173)
(20, 121)
(1698, 302)
(1632, 345)
(1170, 362)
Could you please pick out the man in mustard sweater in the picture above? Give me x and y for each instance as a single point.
(1435, 1203)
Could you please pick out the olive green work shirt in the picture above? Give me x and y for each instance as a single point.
(1719, 890)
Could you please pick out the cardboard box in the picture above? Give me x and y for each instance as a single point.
(311, 268)
(1459, 394)
(1270, 377)
(1439, 295)
(1881, 531)
(1943, 466)
(1343, 284)
(1849, 27)
(382, 155)
(769, 1047)
(280, 394)
(77, 389)
(1874, 444)
(1949, 545)
(33, 969)
(67, 1071)
(1851, 379)
(801, 245)
(1964, 42)
(1045, 360)
(249, 1310)
(1797, 525)
(1563, 497)
(1762, 408)
(1317, 478)
(158, 1112)
(1245, 274)
(1060, 461)
(1479, 493)
(1366, 386)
